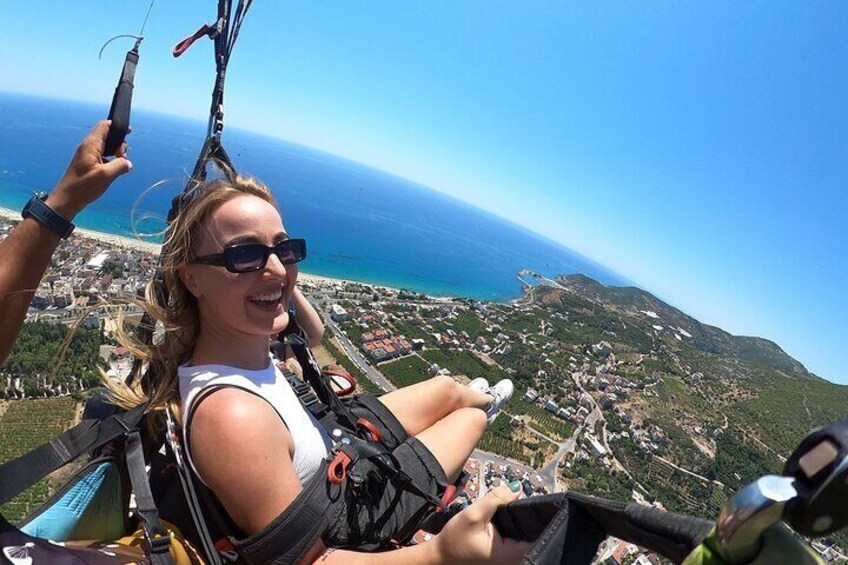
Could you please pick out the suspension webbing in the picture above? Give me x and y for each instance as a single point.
(223, 33)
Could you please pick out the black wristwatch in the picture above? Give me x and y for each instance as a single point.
(48, 217)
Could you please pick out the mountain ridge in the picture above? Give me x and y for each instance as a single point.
(709, 338)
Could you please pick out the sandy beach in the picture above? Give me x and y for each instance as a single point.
(154, 248)
(116, 240)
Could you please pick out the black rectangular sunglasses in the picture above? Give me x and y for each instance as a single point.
(248, 257)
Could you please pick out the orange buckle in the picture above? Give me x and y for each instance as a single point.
(337, 471)
(370, 429)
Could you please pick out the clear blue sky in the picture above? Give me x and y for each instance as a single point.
(698, 148)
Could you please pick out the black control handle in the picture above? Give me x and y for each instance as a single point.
(119, 112)
(820, 467)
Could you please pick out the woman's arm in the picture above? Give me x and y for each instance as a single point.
(308, 318)
(26, 252)
(243, 452)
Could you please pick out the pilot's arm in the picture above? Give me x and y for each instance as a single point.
(26, 252)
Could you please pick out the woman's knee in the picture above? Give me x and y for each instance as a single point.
(453, 438)
(477, 419)
(473, 423)
(448, 391)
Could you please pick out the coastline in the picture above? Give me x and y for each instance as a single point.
(101, 237)
(155, 248)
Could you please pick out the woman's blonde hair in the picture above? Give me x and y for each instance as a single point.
(169, 303)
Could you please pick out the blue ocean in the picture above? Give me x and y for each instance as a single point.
(361, 223)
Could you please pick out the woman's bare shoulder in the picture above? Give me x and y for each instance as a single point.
(234, 414)
(242, 450)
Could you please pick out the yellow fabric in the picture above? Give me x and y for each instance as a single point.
(182, 551)
(780, 546)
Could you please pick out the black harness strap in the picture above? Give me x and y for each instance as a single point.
(23, 472)
(319, 382)
(192, 496)
(292, 533)
(307, 398)
(295, 337)
(157, 537)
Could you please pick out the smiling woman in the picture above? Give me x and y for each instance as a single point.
(250, 295)
(230, 273)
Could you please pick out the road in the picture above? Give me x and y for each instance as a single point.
(495, 459)
(350, 350)
(549, 472)
(688, 472)
(599, 415)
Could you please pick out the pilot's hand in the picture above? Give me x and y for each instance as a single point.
(89, 174)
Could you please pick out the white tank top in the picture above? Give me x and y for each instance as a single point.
(311, 442)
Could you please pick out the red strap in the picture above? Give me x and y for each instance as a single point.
(448, 496)
(370, 429)
(182, 46)
(337, 471)
(344, 374)
(224, 544)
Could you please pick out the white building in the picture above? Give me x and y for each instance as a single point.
(595, 447)
(338, 313)
(98, 260)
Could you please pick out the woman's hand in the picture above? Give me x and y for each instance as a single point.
(470, 537)
(88, 175)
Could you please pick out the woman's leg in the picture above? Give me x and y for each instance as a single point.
(421, 405)
(452, 439)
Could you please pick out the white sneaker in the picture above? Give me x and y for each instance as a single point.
(501, 392)
(480, 385)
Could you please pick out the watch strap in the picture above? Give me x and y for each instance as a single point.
(49, 218)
